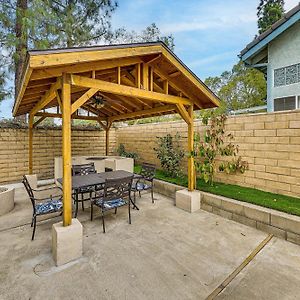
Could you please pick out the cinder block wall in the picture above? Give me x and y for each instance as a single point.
(46, 146)
(269, 142)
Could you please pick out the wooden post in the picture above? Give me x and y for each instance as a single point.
(108, 125)
(138, 76)
(191, 167)
(146, 77)
(30, 149)
(66, 150)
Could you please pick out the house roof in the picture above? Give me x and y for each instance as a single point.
(108, 65)
(260, 42)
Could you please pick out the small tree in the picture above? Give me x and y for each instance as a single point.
(170, 154)
(214, 145)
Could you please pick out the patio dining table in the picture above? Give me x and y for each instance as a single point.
(95, 179)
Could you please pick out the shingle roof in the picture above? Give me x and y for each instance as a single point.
(276, 25)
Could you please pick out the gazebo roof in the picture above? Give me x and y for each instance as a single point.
(131, 81)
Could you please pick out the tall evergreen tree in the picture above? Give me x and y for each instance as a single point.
(268, 12)
(39, 24)
(150, 34)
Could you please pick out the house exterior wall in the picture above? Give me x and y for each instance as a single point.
(283, 51)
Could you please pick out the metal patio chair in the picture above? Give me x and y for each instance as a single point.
(80, 170)
(116, 193)
(144, 180)
(44, 205)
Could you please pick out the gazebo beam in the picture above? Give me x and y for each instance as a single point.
(41, 119)
(124, 90)
(75, 117)
(143, 113)
(84, 98)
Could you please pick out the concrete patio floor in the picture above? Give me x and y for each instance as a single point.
(166, 253)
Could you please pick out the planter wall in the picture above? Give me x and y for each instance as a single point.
(278, 223)
(7, 196)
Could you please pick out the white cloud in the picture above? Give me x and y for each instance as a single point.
(211, 59)
(289, 4)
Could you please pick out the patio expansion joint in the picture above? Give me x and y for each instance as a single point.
(231, 277)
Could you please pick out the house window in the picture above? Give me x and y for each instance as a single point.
(287, 75)
(279, 77)
(285, 103)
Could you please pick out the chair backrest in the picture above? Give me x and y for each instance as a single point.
(83, 169)
(117, 188)
(148, 171)
(29, 190)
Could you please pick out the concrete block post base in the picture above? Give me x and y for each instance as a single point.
(66, 242)
(189, 201)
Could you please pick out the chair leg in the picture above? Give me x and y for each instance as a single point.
(152, 195)
(34, 227)
(32, 222)
(82, 204)
(103, 224)
(140, 194)
(92, 207)
(76, 208)
(129, 214)
(116, 210)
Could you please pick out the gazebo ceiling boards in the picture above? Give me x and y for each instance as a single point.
(117, 72)
(113, 83)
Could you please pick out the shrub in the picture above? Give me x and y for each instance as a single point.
(214, 145)
(170, 154)
(122, 152)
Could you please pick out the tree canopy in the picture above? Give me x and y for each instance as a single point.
(41, 24)
(242, 87)
(268, 12)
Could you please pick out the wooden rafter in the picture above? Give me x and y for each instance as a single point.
(48, 97)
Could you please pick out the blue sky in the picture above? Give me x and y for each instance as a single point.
(208, 34)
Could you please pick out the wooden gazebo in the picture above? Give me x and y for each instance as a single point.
(111, 83)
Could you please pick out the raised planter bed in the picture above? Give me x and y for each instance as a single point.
(7, 203)
(272, 221)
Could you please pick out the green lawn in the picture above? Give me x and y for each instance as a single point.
(279, 202)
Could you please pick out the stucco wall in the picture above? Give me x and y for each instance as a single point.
(46, 145)
(282, 52)
(269, 142)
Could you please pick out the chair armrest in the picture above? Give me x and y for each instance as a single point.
(137, 176)
(47, 189)
(59, 197)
